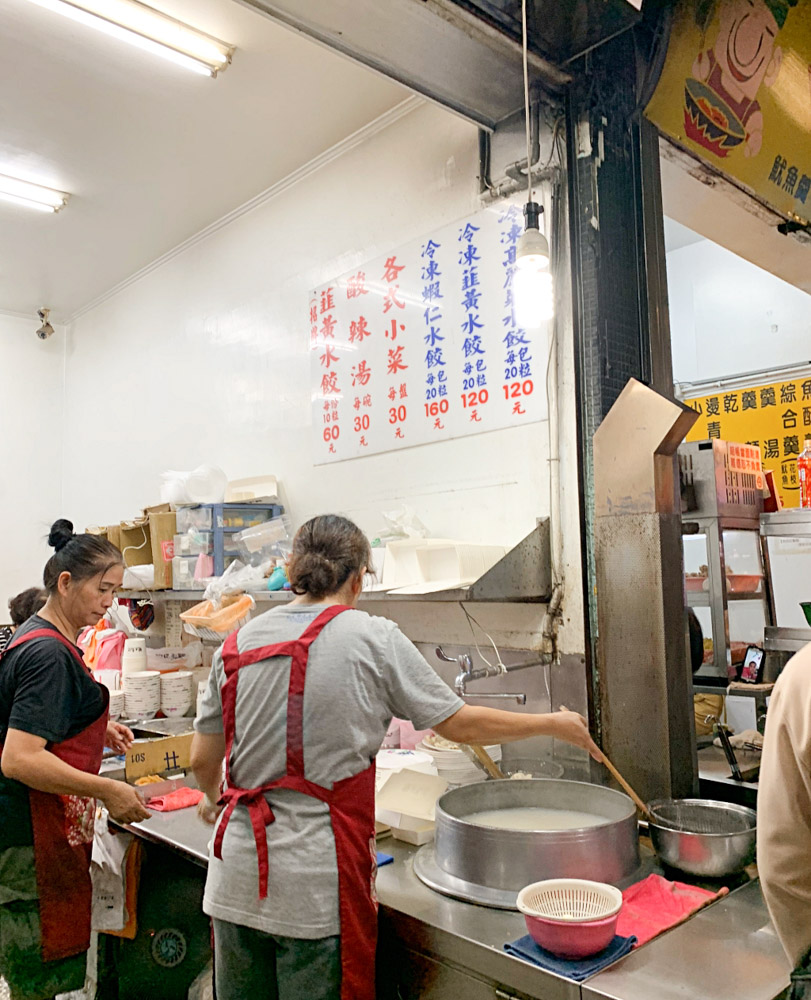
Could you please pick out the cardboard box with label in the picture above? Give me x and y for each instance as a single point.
(158, 756)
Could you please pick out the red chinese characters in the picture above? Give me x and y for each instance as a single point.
(322, 338)
(396, 363)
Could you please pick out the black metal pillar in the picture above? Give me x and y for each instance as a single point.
(618, 270)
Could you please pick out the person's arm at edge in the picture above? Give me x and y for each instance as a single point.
(26, 759)
(474, 724)
(207, 754)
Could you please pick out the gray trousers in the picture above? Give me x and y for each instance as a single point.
(253, 965)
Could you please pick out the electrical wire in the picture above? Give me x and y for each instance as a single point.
(526, 95)
(471, 621)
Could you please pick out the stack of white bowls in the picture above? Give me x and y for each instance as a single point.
(454, 765)
(176, 692)
(117, 704)
(142, 692)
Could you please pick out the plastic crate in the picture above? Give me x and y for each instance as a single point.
(224, 520)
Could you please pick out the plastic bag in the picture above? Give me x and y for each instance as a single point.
(236, 579)
(205, 484)
(402, 522)
(267, 541)
(103, 648)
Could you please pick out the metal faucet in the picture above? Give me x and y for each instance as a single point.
(467, 674)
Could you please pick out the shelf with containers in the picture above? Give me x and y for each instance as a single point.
(206, 544)
(725, 577)
(786, 541)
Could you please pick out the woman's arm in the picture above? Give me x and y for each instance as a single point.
(26, 759)
(207, 753)
(473, 724)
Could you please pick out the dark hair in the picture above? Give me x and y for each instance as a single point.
(28, 603)
(83, 556)
(327, 550)
(696, 640)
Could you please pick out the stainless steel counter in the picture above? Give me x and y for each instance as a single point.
(727, 952)
(713, 766)
(180, 830)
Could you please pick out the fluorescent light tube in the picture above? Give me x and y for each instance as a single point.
(30, 195)
(148, 29)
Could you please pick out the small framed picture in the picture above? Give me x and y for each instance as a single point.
(752, 669)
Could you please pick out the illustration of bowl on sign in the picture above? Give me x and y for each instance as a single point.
(708, 120)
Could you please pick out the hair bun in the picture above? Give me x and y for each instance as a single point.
(60, 534)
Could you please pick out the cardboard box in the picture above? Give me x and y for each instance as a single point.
(158, 756)
(149, 540)
(134, 542)
(162, 527)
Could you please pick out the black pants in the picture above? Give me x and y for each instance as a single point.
(252, 964)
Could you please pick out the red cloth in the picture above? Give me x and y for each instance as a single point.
(181, 799)
(654, 905)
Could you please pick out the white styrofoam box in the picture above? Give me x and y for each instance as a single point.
(462, 561)
(401, 563)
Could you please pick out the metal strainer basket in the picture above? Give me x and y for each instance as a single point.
(703, 837)
(703, 816)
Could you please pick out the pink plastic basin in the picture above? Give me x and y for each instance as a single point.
(572, 939)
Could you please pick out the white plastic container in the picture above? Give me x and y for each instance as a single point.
(133, 659)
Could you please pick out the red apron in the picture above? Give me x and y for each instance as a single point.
(351, 805)
(63, 834)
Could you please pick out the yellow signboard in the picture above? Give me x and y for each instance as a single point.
(158, 756)
(775, 418)
(736, 91)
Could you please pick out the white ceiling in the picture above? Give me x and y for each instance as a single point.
(678, 236)
(149, 152)
(703, 206)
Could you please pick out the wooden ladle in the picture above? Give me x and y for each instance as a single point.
(627, 788)
(487, 761)
(624, 784)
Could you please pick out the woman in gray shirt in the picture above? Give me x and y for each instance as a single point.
(290, 884)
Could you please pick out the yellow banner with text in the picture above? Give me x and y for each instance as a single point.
(775, 418)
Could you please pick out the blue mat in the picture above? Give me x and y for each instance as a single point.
(576, 969)
(383, 859)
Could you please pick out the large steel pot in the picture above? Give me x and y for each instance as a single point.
(703, 837)
(511, 859)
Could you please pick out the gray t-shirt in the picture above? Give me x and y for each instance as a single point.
(361, 672)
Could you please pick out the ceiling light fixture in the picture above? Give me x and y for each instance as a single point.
(150, 30)
(30, 195)
(533, 293)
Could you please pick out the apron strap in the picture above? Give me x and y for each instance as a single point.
(48, 633)
(254, 798)
(295, 692)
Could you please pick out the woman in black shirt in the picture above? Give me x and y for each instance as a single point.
(53, 728)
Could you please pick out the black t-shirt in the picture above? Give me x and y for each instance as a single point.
(44, 691)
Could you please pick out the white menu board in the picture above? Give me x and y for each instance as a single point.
(421, 344)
